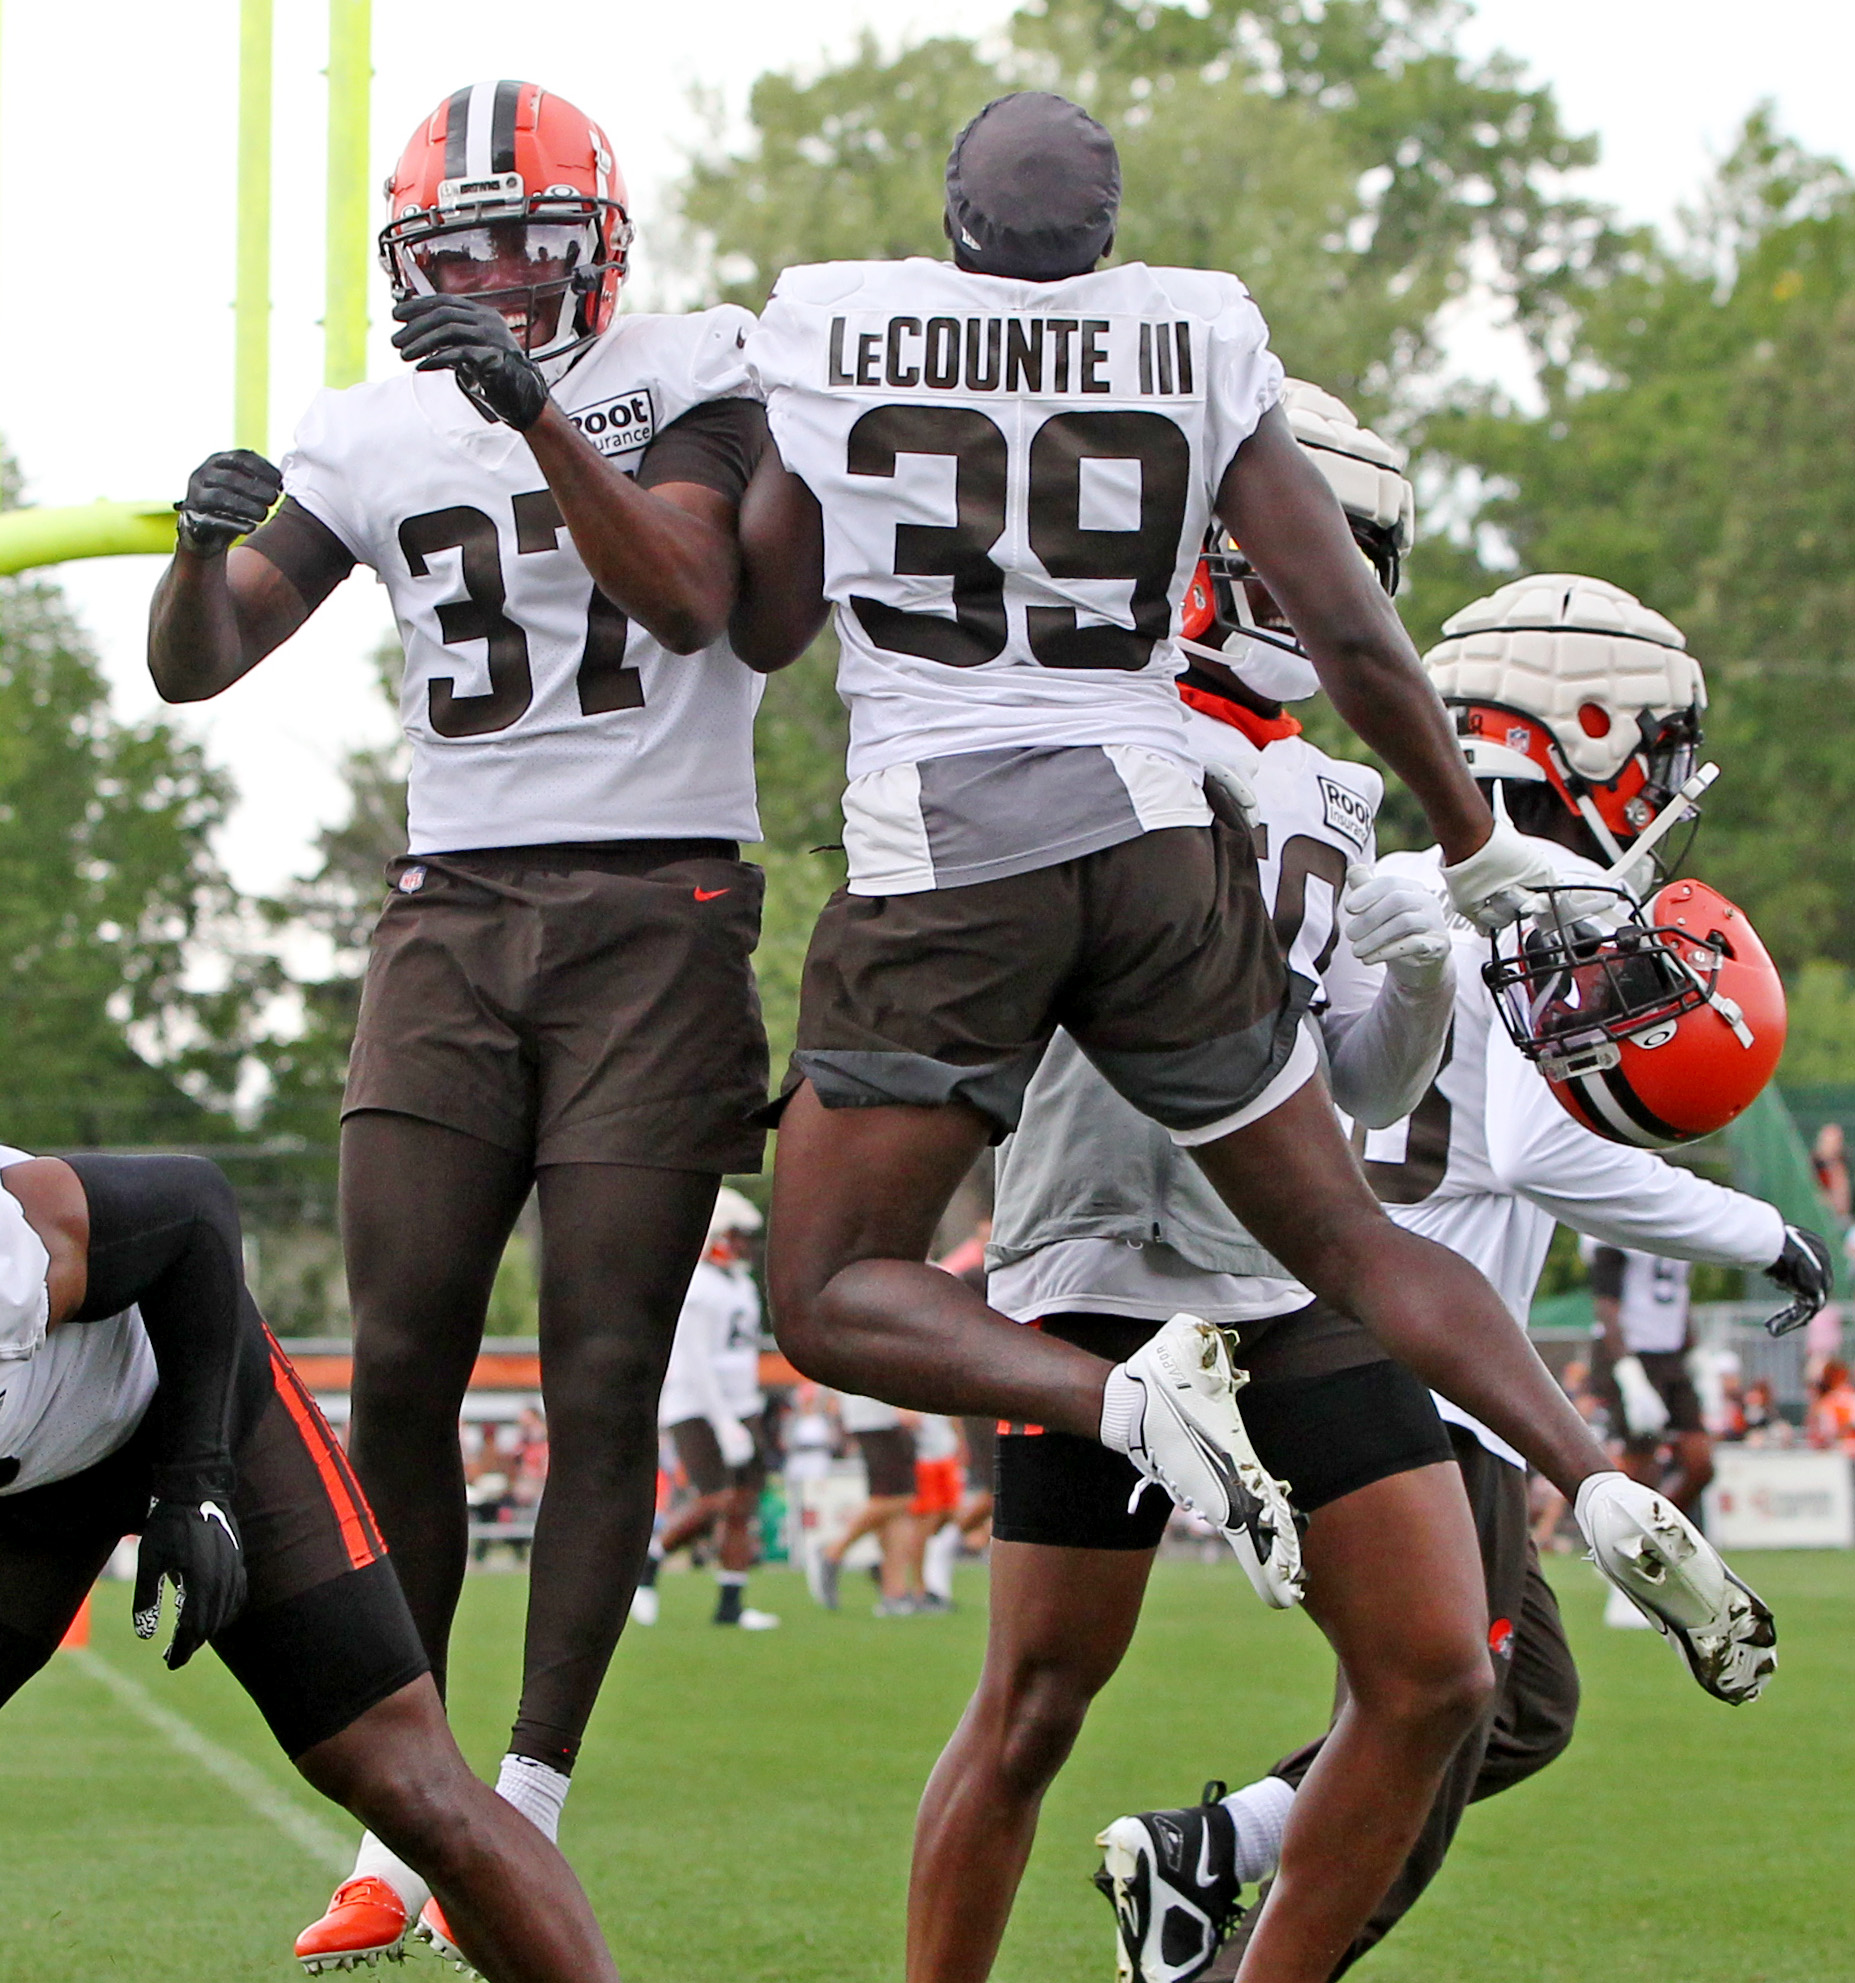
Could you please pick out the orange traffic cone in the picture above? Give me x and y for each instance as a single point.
(78, 1632)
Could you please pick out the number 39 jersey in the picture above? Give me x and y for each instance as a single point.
(1015, 479)
(536, 712)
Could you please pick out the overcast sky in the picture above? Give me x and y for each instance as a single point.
(115, 355)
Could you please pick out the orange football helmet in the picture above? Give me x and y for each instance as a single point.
(1652, 1025)
(509, 194)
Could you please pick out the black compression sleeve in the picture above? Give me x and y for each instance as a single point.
(164, 1237)
(305, 550)
(715, 445)
(1606, 1273)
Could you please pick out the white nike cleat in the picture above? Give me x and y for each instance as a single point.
(645, 1604)
(751, 1620)
(1171, 1877)
(1680, 1583)
(1191, 1440)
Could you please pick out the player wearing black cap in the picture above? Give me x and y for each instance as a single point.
(1000, 472)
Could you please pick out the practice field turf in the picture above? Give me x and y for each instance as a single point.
(744, 1807)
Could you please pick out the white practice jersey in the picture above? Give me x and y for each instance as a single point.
(714, 1368)
(1651, 1293)
(1317, 815)
(1015, 479)
(856, 1413)
(1488, 1161)
(68, 1398)
(536, 712)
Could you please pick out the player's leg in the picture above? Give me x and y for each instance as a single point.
(1394, 1581)
(1070, 1561)
(1524, 1726)
(425, 1214)
(857, 1193)
(510, 1900)
(1061, 1621)
(619, 1243)
(1296, 1185)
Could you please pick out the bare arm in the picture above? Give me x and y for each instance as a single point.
(214, 617)
(781, 604)
(53, 1201)
(1277, 505)
(665, 557)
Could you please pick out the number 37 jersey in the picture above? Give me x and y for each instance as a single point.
(1015, 479)
(536, 712)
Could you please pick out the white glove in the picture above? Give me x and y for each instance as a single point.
(1644, 1411)
(735, 1441)
(1395, 921)
(1497, 882)
(1236, 792)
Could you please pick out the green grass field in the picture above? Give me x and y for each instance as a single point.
(744, 1804)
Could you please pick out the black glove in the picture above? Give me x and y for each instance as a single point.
(458, 334)
(227, 497)
(191, 1541)
(1805, 1271)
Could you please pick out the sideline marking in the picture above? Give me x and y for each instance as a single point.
(321, 1841)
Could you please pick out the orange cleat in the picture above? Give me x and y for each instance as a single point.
(435, 1930)
(365, 1921)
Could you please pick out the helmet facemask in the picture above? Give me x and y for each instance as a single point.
(1231, 617)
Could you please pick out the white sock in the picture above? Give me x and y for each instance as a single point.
(1260, 1812)
(376, 1861)
(1123, 1399)
(536, 1791)
(938, 1559)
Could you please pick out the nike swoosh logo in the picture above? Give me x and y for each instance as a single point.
(1207, 1873)
(709, 894)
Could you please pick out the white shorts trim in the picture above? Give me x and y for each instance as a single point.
(1300, 1068)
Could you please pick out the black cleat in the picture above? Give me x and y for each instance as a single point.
(1171, 1878)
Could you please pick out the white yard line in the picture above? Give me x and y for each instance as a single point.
(321, 1841)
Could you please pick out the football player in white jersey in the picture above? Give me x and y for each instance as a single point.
(1000, 471)
(1103, 1228)
(1486, 1164)
(714, 1411)
(141, 1394)
(560, 995)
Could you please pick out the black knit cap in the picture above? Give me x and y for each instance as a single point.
(1033, 187)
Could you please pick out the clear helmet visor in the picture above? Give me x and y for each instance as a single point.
(525, 269)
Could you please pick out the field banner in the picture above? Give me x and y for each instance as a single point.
(1764, 1499)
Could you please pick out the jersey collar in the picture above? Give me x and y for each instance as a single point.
(1260, 730)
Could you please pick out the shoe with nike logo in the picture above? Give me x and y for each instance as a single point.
(709, 894)
(1190, 1439)
(1171, 1879)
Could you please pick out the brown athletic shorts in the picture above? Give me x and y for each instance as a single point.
(700, 1452)
(588, 1005)
(1667, 1370)
(889, 1460)
(1157, 955)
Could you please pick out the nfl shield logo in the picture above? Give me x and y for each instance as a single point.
(411, 880)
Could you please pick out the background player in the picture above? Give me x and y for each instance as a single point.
(1639, 1368)
(1486, 1164)
(886, 1445)
(1103, 1228)
(143, 1395)
(560, 995)
(714, 1410)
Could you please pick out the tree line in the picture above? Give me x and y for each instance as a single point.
(1687, 437)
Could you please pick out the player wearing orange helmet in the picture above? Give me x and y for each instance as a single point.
(560, 996)
(1549, 675)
